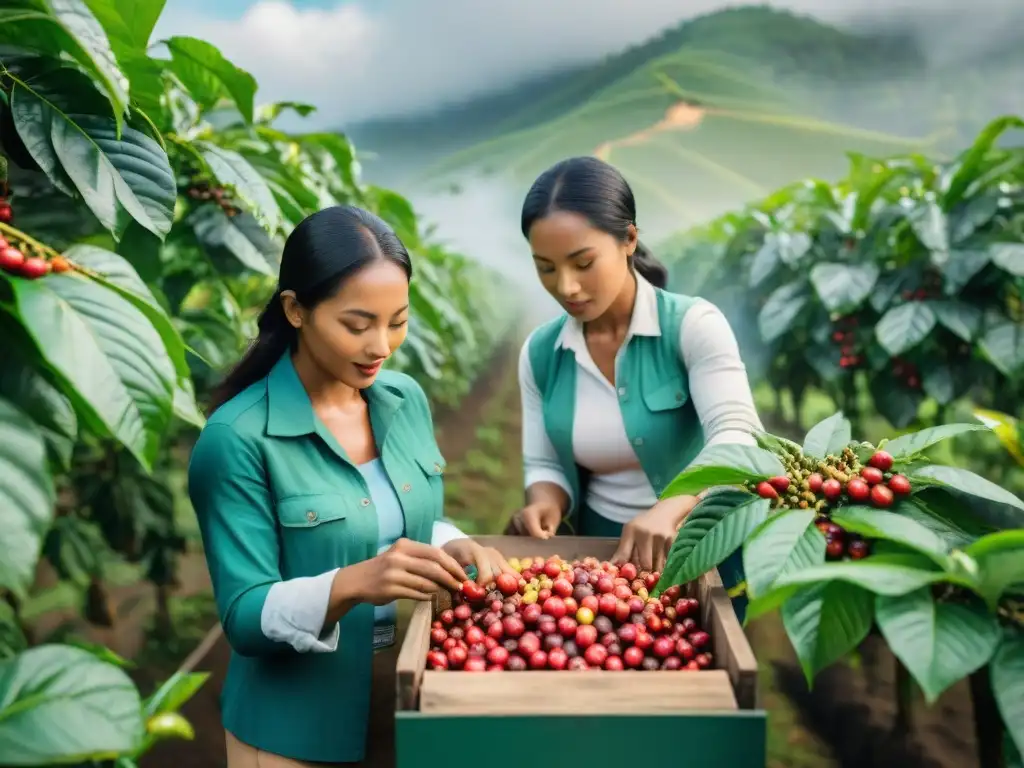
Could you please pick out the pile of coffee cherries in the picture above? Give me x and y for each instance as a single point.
(577, 615)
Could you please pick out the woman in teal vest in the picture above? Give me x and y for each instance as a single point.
(317, 483)
(624, 390)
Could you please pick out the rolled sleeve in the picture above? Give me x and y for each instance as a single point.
(233, 505)
(294, 612)
(444, 532)
(540, 461)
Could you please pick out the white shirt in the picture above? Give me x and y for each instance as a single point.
(618, 489)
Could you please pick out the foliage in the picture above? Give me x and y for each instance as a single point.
(903, 280)
(930, 555)
(143, 206)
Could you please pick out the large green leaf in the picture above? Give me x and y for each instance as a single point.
(715, 529)
(936, 519)
(62, 28)
(881, 574)
(907, 446)
(26, 497)
(209, 76)
(930, 225)
(961, 268)
(175, 692)
(1000, 559)
(781, 310)
(119, 179)
(965, 481)
(971, 162)
(828, 436)
(843, 287)
(1007, 675)
(233, 170)
(825, 622)
(60, 704)
(904, 327)
(883, 524)
(959, 317)
(784, 543)
(239, 238)
(114, 363)
(1004, 345)
(727, 464)
(128, 23)
(938, 643)
(1008, 257)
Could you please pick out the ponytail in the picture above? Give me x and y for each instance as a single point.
(648, 267)
(276, 336)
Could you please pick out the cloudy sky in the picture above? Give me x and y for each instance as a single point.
(356, 59)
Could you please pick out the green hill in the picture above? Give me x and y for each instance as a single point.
(709, 114)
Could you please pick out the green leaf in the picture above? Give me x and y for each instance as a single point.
(67, 28)
(907, 446)
(962, 319)
(1007, 676)
(784, 543)
(828, 436)
(933, 518)
(53, 685)
(825, 623)
(233, 170)
(112, 360)
(26, 498)
(938, 643)
(964, 481)
(893, 526)
(1009, 257)
(727, 464)
(929, 224)
(717, 527)
(239, 238)
(1000, 559)
(174, 693)
(1004, 346)
(208, 75)
(938, 383)
(764, 263)
(119, 179)
(781, 310)
(961, 268)
(881, 574)
(904, 327)
(972, 160)
(128, 22)
(843, 287)
(897, 404)
(775, 444)
(1006, 428)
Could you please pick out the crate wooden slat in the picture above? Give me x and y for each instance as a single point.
(732, 686)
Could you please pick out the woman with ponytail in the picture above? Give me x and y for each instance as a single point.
(624, 390)
(317, 483)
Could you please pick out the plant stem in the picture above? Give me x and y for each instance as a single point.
(904, 721)
(988, 724)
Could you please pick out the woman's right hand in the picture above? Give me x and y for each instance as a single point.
(408, 570)
(539, 520)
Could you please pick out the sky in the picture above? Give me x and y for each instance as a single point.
(359, 59)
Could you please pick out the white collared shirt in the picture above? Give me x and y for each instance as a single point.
(618, 489)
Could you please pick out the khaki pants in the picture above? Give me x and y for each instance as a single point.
(380, 737)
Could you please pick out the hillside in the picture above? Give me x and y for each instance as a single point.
(710, 114)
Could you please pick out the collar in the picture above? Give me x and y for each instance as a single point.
(290, 412)
(644, 321)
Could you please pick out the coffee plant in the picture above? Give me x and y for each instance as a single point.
(900, 284)
(144, 200)
(845, 536)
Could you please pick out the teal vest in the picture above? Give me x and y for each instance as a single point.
(654, 396)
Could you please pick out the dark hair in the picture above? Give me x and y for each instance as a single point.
(323, 251)
(597, 191)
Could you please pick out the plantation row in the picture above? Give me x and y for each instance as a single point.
(144, 203)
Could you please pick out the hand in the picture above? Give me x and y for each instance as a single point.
(539, 520)
(408, 570)
(647, 539)
(489, 562)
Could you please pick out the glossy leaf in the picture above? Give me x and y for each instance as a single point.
(825, 622)
(904, 327)
(785, 542)
(1006, 428)
(907, 446)
(238, 238)
(882, 524)
(26, 497)
(828, 436)
(962, 319)
(939, 643)
(1000, 559)
(965, 481)
(781, 310)
(209, 76)
(60, 704)
(175, 692)
(1004, 346)
(843, 287)
(715, 529)
(1009, 257)
(727, 464)
(882, 575)
(233, 170)
(1007, 676)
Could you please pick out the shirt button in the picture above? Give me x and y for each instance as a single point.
(406, 488)
(365, 502)
(638, 441)
(437, 468)
(622, 391)
(679, 397)
(311, 516)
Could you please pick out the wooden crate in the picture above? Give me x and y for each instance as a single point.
(721, 700)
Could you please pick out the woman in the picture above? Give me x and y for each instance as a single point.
(626, 389)
(318, 487)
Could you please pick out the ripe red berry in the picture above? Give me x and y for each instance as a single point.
(858, 549)
(835, 547)
(899, 485)
(872, 475)
(507, 583)
(780, 483)
(11, 259)
(857, 489)
(6, 214)
(766, 491)
(814, 482)
(832, 489)
(881, 460)
(881, 496)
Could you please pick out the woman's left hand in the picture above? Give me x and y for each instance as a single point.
(489, 562)
(647, 538)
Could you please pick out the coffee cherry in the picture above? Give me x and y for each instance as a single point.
(881, 460)
(899, 485)
(766, 491)
(858, 490)
(34, 268)
(872, 475)
(881, 496)
(814, 482)
(832, 489)
(6, 214)
(780, 483)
